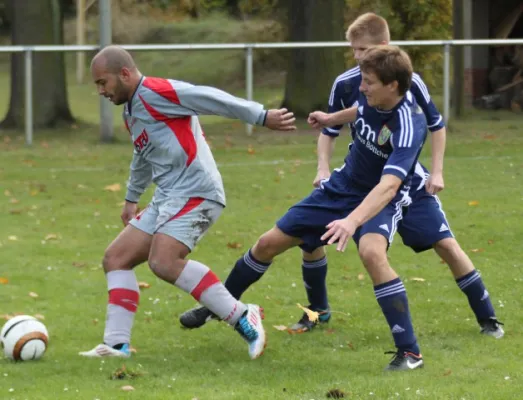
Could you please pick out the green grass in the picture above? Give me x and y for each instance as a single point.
(57, 188)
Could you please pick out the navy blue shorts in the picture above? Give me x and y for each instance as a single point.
(420, 225)
(307, 220)
(424, 222)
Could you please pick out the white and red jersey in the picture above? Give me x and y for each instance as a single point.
(169, 146)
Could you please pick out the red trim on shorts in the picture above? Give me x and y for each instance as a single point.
(208, 280)
(189, 206)
(162, 87)
(139, 215)
(124, 298)
(181, 127)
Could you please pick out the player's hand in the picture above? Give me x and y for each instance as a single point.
(435, 183)
(340, 230)
(318, 119)
(280, 120)
(320, 176)
(129, 212)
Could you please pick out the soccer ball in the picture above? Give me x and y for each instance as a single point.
(24, 338)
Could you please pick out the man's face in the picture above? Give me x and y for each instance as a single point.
(360, 45)
(377, 94)
(110, 85)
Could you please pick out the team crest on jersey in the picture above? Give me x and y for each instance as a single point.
(384, 135)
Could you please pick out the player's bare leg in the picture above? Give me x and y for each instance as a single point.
(392, 298)
(314, 273)
(470, 282)
(129, 249)
(247, 270)
(167, 261)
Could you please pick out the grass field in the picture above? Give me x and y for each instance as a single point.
(57, 219)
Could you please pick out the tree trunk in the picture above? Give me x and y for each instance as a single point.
(311, 72)
(35, 23)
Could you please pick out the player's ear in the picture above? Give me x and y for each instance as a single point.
(394, 86)
(125, 73)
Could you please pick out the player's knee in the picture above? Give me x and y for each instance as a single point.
(448, 249)
(316, 254)
(265, 248)
(371, 255)
(111, 261)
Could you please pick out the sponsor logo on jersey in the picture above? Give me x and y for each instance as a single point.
(141, 141)
(365, 130)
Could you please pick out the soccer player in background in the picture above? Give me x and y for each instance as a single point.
(369, 190)
(170, 150)
(424, 225)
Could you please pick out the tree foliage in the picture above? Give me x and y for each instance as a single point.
(413, 20)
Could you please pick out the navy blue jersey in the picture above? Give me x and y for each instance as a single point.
(385, 142)
(345, 93)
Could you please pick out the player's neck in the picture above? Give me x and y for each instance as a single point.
(134, 85)
(389, 104)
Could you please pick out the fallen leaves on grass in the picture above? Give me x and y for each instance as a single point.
(127, 388)
(313, 315)
(39, 316)
(473, 203)
(79, 264)
(4, 281)
(51, 236)
(335, 394)
(115, 187)
(144, 285)
(477, 250)
(12, 238)
(234, 245)
(280, 327)
(125, 373)
(417, 279)
(33, 295)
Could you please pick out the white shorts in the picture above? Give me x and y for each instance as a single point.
(185, 219)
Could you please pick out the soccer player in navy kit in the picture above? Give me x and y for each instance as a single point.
(371, 187)
(424, 225)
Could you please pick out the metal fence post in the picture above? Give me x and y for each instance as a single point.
(446, 82)
(106, 112)
(248, 80)
(28, 77)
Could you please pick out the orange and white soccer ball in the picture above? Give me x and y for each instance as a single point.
(24, 338)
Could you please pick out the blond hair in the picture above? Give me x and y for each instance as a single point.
(389, 64)
(369, 25)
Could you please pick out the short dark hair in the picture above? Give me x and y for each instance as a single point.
(390, 64)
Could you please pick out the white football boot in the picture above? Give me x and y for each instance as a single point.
(250, 327)
(103, 350)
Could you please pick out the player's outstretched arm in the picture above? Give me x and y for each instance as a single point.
(320, 119)
(280, 120)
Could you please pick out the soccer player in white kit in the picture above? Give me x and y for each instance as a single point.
(170, 150)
